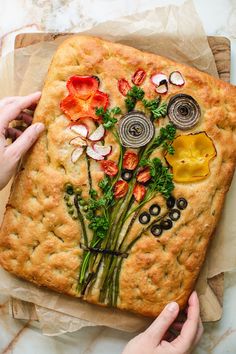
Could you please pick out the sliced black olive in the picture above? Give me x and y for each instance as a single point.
(170, 202)
(154, 209)
(144, 218)
(166, 224)
(156, 230)
(183, 111)
(126, 175)
(181, 203)
(69, 189)
(174, 214)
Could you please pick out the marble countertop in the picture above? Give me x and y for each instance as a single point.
(218, 18)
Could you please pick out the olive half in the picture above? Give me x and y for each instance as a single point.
(183, 111)
(154, 209)
(170, 202)
(135, 129)
(156, 230)
(181, 203)
(166, 224)
(174, 214)
(144, 218)
(126, 175)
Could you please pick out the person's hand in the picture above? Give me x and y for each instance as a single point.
(159, 337)
(13, 108)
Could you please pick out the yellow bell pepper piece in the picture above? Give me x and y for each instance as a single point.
(190, 162)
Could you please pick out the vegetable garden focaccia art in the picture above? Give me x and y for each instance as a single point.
(117, 201)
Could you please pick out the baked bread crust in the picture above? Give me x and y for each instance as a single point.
(40, 242)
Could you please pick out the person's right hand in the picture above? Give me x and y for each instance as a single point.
(158, 340)
(13, 108)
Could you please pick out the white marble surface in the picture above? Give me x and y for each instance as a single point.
(219, 18)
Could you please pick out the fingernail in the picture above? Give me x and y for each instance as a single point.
(172, 306)
(39, 127)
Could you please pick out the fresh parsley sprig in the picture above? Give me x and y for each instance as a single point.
(157, 108)
(108, 116)
(134, 94)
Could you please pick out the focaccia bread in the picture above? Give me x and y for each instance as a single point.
(118, 199)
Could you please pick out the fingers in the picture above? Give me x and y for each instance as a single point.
(159, 327)
(190, 328)
(25, 117)
(199, 332)
(24, 141)
(12, 108)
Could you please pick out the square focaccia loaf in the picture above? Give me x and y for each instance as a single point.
(117, 201)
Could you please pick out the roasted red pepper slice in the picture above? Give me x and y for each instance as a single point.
(82, 86)
(139, 192)
(109, 167)
(144, 175)
(130, 160)
(138, 77)
(99, 99)
(123, 86)
(120, 189)
(71, 107)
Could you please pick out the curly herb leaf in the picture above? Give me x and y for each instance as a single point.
(134, 94)
(108, 116)
(158, 109)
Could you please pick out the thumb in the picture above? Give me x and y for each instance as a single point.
(25, 141)
(161, 324)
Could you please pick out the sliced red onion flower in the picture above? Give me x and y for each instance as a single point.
(78, 141)
(158, 78)
(163, 87)
(102, 149)
(80, 129)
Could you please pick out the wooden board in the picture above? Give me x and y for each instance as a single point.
(220, 47)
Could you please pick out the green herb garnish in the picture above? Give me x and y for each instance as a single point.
(108, 116)
(156, 107)
(134, 94)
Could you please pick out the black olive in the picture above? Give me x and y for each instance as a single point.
(170, 202)
(156, 230)
(69, 189)
(154, 209)
(166, 224)
(144, 218)
(174, 214)
(181, 203)
(126, 175)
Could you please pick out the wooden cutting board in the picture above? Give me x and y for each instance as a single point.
(220, 47)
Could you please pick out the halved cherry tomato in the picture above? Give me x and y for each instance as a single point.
(71, 107)
(82, 86)
(120, 189)
(144, 175)
(109, 167)
(130, 160)
(99, 99)
(123, 86)
(138, 77)
(139, 192)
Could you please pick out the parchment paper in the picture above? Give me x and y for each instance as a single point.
(171, 31)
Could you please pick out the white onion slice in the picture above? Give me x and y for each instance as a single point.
(176, 78)
(78, 141)
(102, 149)
(93, 154)
(158, 78)
(98, 134)
(76, 154)
(80, 129)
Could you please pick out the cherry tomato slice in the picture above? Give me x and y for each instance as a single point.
(144, 175)
(82, 86)
(109, 167)
(138, 77)
(120, 189)
(130, 160)
(123, 86)
(139, 192)
(71, 107)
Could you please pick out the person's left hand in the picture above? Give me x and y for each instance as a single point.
(13, 108)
